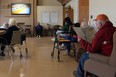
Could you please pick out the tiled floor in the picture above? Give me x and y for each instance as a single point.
(39, 63)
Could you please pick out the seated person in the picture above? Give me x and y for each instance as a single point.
(67, 24)
(67, 35)
(72, 37)
(8, 35)
(4, 26)
(102, 43)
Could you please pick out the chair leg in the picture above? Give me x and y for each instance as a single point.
(10, 54)
(26, 50)
(85, 72)
(20, 52)
(74, 49)
(52, 53)
(26, 53)
(58, 52)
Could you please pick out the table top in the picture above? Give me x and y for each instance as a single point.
(2, 32)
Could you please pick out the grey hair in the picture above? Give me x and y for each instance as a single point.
(12, 22)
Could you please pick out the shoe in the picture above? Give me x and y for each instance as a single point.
(75, 74)
(2, 54)
(56, 45)
(61, 47)
(90, 75)
(65, 53)
(37, 36)
(68, 52)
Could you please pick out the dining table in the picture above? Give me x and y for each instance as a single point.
(2, 31)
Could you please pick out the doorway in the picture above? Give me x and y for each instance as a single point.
(83, 10)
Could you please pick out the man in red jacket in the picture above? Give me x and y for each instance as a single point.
(102, 42)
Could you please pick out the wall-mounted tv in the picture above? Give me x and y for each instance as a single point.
(20, 8)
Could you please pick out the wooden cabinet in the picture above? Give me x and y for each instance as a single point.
(83, 10)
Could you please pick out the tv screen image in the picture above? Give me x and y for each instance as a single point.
(20, 8)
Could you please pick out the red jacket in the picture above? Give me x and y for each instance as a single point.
(102, 42)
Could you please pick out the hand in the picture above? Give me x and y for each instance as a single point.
(79, 39)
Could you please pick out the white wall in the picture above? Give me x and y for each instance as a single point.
(49, 3)
(49, 9)
(75, 7)
(103, 6)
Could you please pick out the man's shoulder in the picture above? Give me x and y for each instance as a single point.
(107, 30)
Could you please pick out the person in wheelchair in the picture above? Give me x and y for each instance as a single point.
(65, 33)
(6, 38)
(72, 36)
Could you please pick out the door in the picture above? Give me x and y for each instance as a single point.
(83, 10)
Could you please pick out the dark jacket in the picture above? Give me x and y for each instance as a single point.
(39, 27)
(103, 40)
(8, 34)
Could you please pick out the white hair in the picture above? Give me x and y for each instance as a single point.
(12, 22)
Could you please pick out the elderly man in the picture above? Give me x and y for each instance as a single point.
(102, 42)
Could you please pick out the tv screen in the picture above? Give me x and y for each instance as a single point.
(21, 9)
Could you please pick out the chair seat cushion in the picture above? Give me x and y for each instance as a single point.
(99, 69)
(99, 57)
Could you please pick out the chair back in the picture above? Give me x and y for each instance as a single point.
(16, 38)
(112, 60)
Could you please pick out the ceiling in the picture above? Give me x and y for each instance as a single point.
(63, 2)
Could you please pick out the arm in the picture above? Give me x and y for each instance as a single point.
(95, 46)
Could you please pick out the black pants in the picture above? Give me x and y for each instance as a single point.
(38, 33)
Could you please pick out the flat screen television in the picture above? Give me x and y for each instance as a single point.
(20, 8)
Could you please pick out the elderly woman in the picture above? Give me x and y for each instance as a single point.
(12, 27)
(8, 35)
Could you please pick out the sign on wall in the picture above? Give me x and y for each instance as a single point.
(49, 17)
(45, 17)
(54, 17)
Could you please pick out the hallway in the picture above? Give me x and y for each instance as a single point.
(39, 63)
